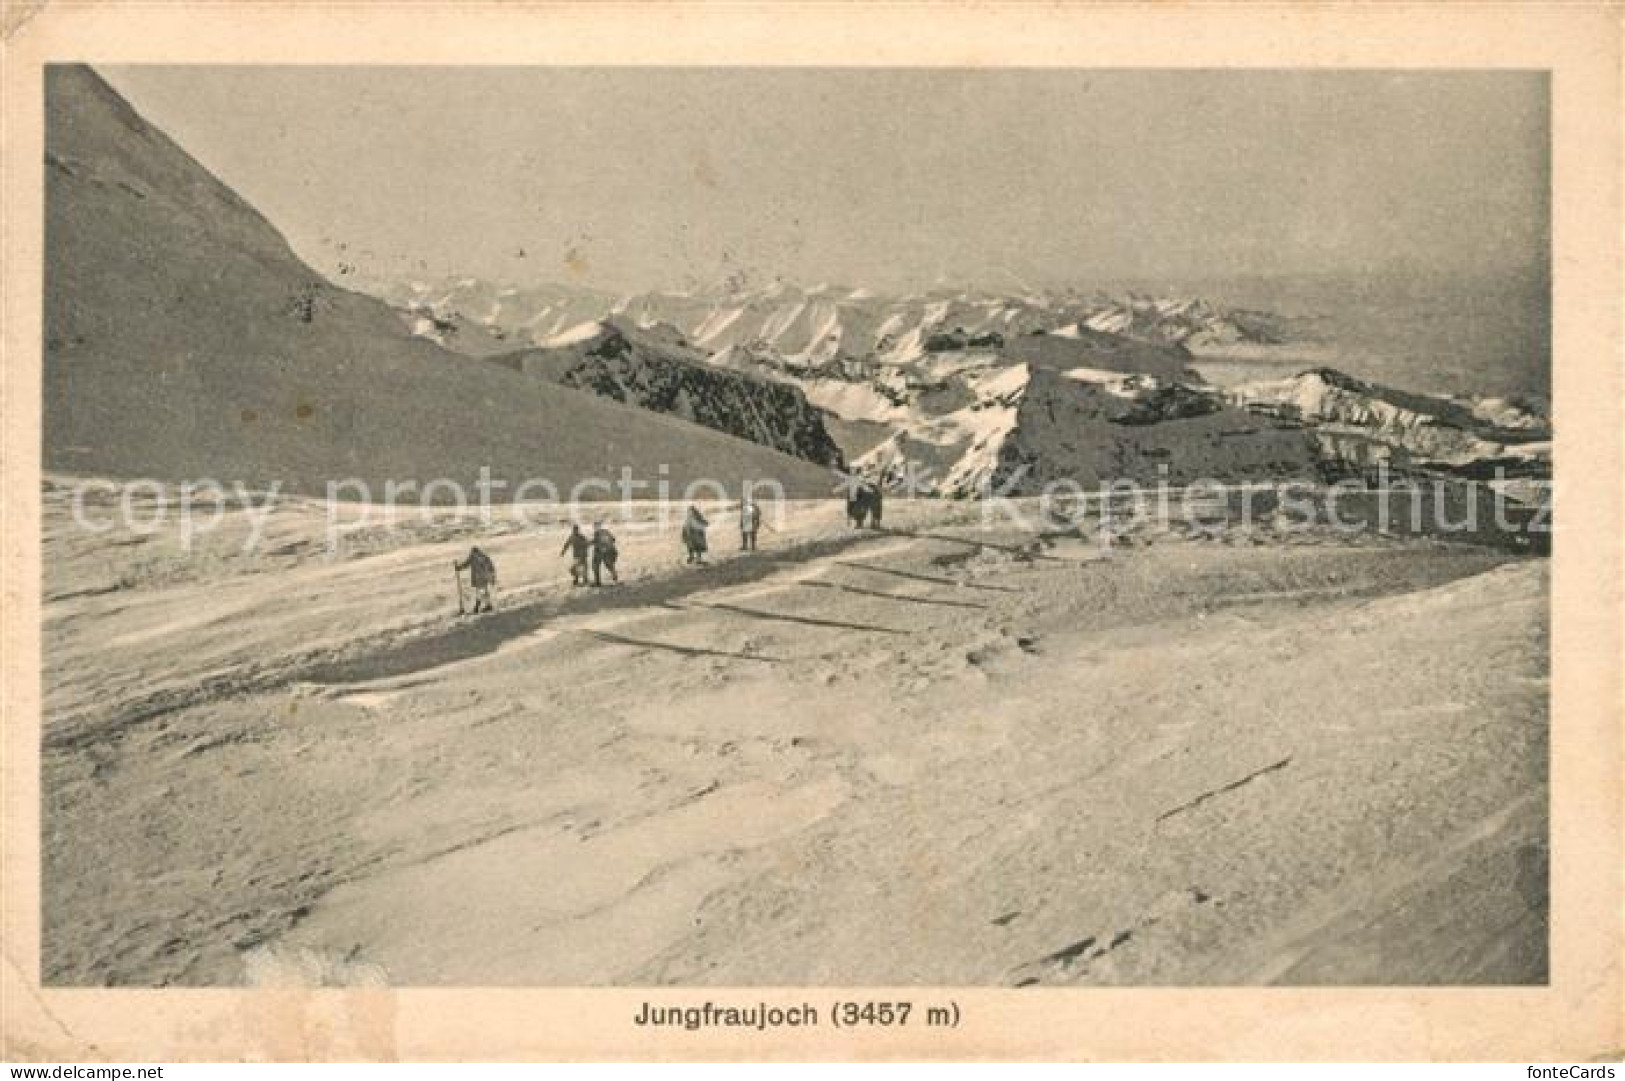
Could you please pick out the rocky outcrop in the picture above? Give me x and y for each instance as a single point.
(655, 369)
(959, 339)
(455, 331)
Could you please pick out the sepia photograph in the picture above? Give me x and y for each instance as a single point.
(529, 546)
(588, 526)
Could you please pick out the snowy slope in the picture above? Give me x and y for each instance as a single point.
(184, 340)
(367, 791)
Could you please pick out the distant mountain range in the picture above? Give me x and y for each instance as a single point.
(963, 387)
(185, 340)
(808, 328)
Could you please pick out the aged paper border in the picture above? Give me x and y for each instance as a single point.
(1577, 1017)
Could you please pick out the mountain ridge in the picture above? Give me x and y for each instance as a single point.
(659, 372)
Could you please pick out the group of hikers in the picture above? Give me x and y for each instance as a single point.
(592, 555)
(864, 504)
(600, 548)
(695, 524)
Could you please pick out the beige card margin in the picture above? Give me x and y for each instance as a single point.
(1577, 1017)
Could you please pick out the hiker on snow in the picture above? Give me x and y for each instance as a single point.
(750, 520)
(578, 546)
(604, 554)
(694, 534)
(857, 507)
(482, 575)
(863, 503)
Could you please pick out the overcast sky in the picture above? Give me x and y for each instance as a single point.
(656, 178)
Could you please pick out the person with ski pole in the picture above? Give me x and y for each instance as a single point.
(694, 534)
(482, 576)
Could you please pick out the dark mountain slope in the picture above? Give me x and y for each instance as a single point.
(644, 369)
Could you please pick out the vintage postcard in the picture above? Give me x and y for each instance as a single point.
(811, 531)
